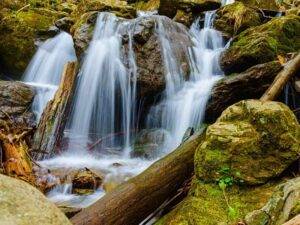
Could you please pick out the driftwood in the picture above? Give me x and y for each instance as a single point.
(14, 151)
(131, 202)
(282, 78)
(53, 120)
(294, 221)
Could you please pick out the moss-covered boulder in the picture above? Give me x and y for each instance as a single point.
(262, 44)
(206, 204)
(250, 143)
(271, 5)
(22, 204)
(258, 140)
(235, 18)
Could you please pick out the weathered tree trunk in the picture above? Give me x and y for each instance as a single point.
(294, 221)
(131, 202)
(53, 120)
(281, 79)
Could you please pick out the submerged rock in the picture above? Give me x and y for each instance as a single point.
(21, 203)
(15, 102)
(256, 139)
(149, 143)
(234, 18)
(250, 84)
(262, 44)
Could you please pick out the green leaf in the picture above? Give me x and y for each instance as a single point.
(222, 185)
(231, 213)
(238, 174)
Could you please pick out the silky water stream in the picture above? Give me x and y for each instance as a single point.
(104, 80)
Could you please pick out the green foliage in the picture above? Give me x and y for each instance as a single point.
(227, 181)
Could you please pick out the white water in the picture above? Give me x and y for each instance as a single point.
(105, 102)
(104, 98)
(185, 101)
(45, 69)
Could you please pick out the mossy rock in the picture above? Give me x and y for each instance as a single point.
(234, 18)
(262, 44)
(271, 5)
(120, 8)
(18, 33)
(258, 140)
(206, 204)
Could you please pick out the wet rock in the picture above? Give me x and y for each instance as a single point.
(65, 23)
(258, 140)
(250, 84)
(149, 143)
(234, 18)
(282, 206)
(186, 18)
(15, 102)
(262, 44)
(22, 204)
(168, 8)
(197, 6)
(85, 181)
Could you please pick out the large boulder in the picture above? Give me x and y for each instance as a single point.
(15, 102)
(262, 44)
(258, 140)
(22, 204)
(250, 84)
(251, 143)
(198, 6)
(234, 18)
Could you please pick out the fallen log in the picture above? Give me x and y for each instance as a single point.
(53, 120)
(282, 78)
(131, 202)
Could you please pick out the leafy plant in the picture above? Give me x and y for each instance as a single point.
(227, 181)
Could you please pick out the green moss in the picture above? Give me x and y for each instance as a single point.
(235, 18)
(262, 44)
(206, 204)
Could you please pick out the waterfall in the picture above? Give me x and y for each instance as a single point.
(45, 69)
(184, 106)
(104, 104)
(104, 99)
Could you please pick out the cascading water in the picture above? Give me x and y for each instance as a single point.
(104, 98)
(184, 106)
(45, 69)
(104, 103)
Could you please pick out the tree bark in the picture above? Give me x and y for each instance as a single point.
(52, 123)
(131, 202)
(281, 79)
